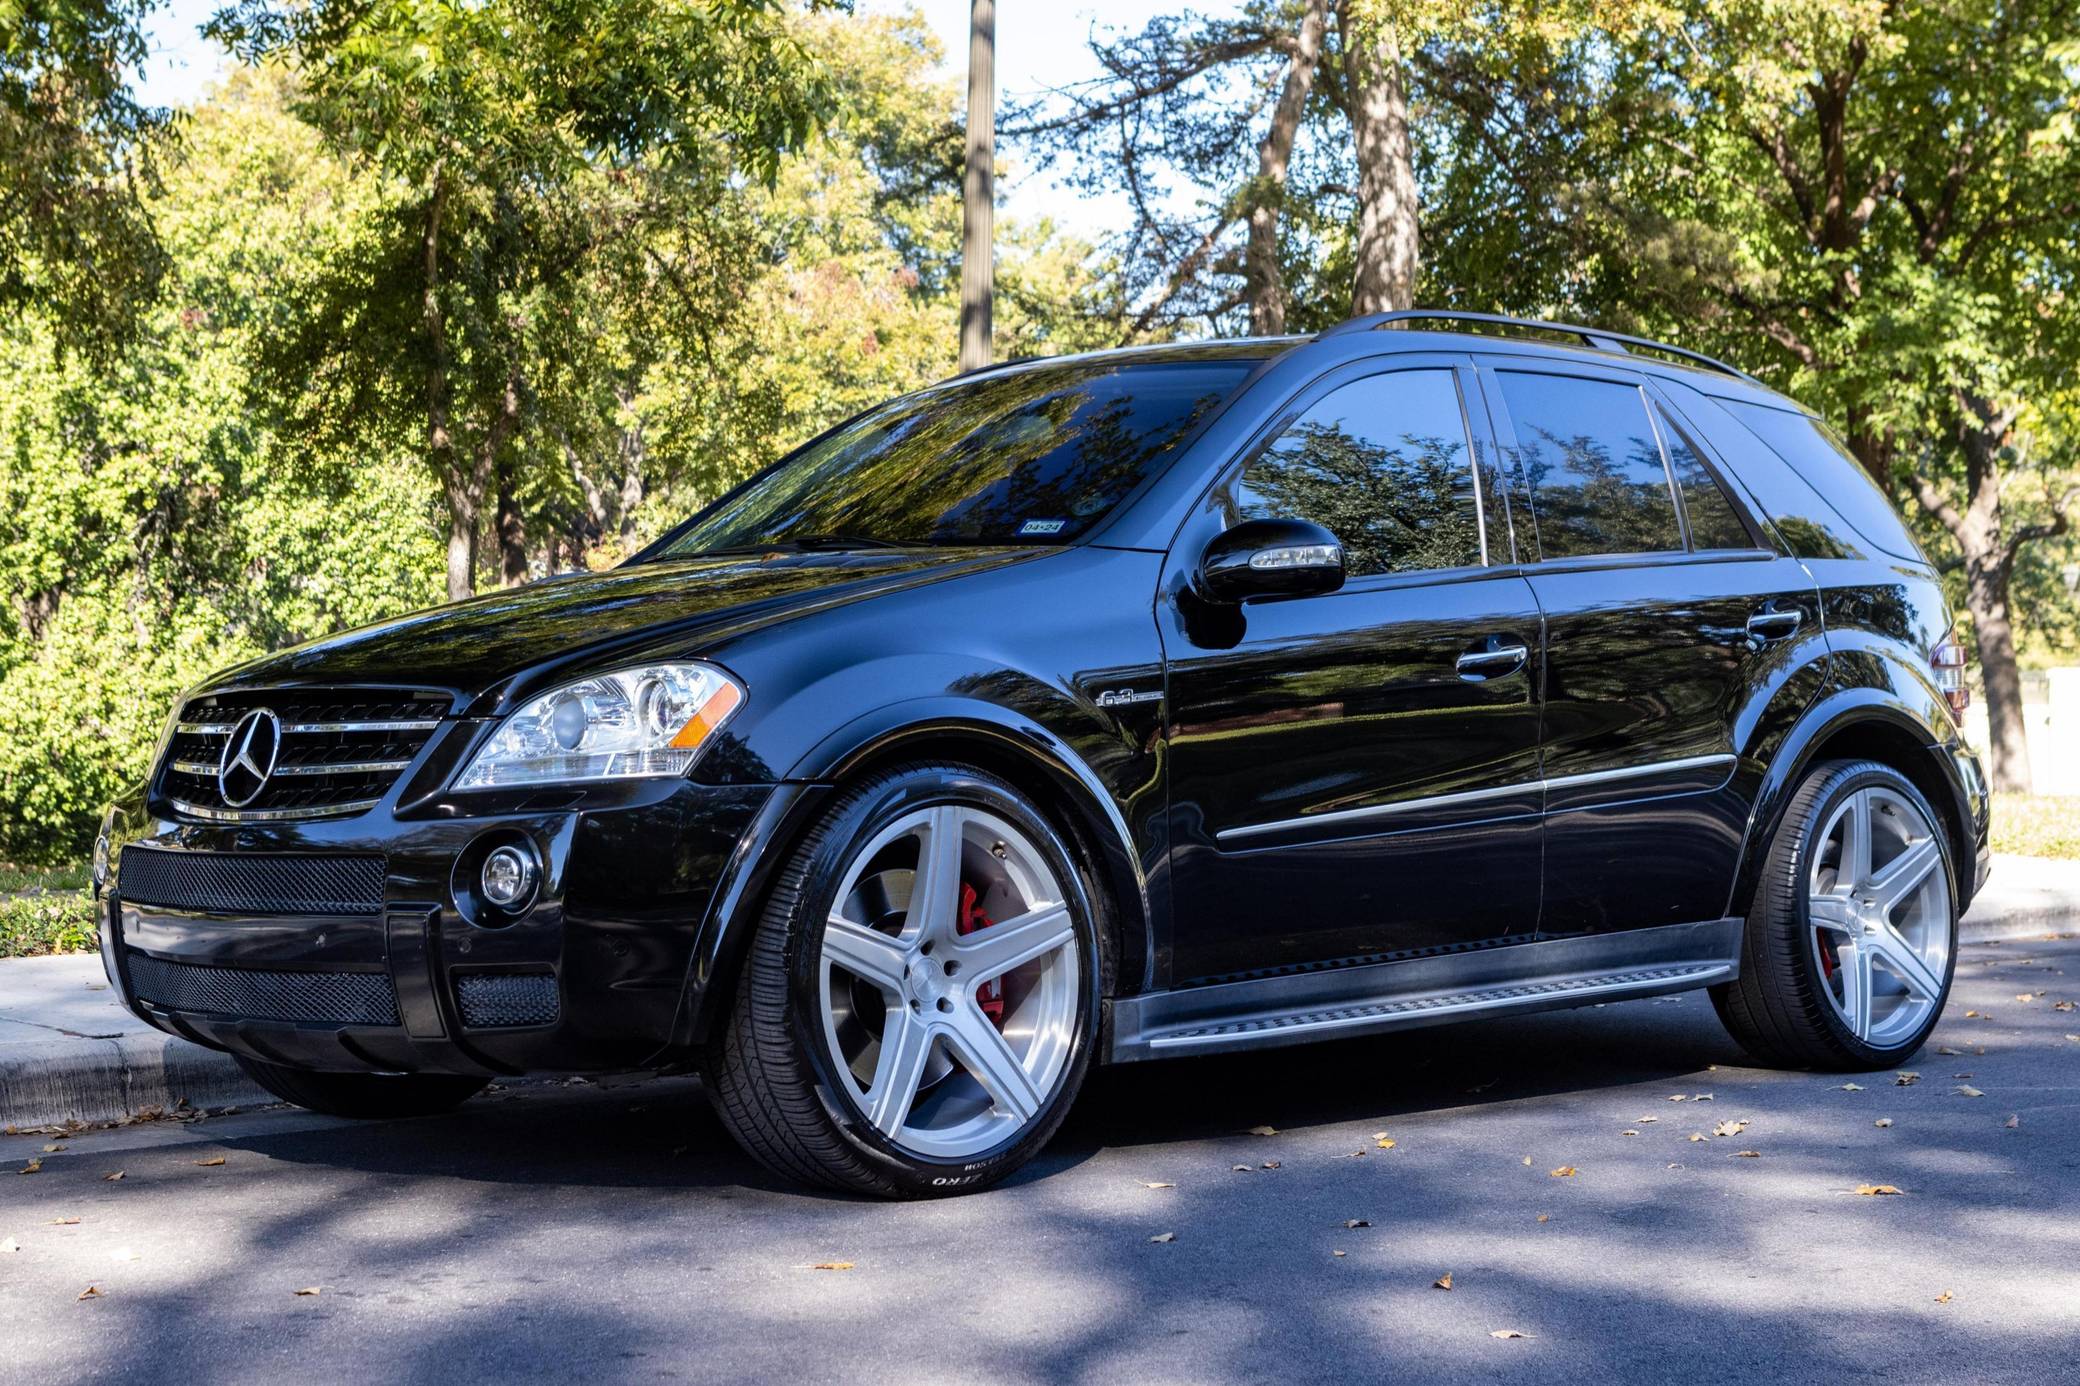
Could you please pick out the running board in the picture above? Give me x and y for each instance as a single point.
(1338, 1002)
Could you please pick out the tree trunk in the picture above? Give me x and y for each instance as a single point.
(978, 188)
(1986, 596)
(465, 504)
(1387, 204)
(1264, 281)
(512, 533)
(464, 501)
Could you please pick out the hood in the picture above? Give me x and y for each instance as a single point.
(480, 649)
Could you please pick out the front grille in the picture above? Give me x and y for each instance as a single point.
(491, 1000)
(341, 750)
(251, 883)
(328, 998)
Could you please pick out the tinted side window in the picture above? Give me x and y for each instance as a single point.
(1714, 524)
(1383, 464)
(1809, 526)
(1816, 454)
(1597, 482)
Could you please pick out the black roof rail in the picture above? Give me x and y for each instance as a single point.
(1593, 337)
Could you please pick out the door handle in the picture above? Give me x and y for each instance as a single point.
(1493, 658)
(1771, 624)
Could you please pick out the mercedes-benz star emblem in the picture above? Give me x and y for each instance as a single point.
(249, 756)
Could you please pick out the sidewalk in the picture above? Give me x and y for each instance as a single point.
(68, 1052)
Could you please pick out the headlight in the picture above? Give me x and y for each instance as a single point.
(632, 724)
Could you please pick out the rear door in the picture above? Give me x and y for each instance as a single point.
(1670, 619)
(1355, 776)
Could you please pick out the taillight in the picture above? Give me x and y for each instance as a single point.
(1948, 661)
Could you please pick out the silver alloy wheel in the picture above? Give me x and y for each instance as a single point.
(953, 1014)
(1878, 897)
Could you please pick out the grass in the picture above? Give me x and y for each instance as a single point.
(45, 910)
(2037, 825)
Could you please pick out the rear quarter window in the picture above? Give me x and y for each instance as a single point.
(1812, 450)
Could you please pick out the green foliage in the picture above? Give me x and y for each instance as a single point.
(77, 247)
(38, 923)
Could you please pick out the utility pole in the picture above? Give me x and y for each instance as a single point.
(978, 188)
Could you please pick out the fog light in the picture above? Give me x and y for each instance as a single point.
(508, 880)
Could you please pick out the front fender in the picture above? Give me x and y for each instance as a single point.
(933, 726)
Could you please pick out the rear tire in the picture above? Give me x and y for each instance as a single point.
(1850, 947)
(365, 1095)
(913, 1022)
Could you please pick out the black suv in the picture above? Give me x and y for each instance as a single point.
(1161, 701)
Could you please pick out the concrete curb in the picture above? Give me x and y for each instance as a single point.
(111, 1078)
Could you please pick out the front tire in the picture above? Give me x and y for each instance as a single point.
(366, 1095)
(1851, 945)
(920, 1001)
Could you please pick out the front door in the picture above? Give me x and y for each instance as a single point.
(1355, 776)
(1672, 624)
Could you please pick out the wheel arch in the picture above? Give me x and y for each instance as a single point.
(1863, 724)
(989, 737)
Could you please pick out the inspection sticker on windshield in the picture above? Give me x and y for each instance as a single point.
(1042, 527)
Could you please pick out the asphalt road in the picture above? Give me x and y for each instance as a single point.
(554, 1232)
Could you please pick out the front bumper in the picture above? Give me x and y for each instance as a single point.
(590, 978)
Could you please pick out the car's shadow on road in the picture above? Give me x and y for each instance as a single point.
(661, 1134)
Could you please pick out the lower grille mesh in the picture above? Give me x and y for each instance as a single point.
(252, 882)
(334, 998)
(490, 1000)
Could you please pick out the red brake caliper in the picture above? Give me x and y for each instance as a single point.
(991, 995)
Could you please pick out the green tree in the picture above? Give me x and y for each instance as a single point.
(77, 161)
(533, 155)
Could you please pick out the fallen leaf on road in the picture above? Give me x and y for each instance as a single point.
(9, 1247)
(1628, 1132)
(1699, 1136)
(1506, 1333)
(33, 1166)
(1338, 1253)
(2012, 1123)
(1967, 1090)
(1946, 1049)
(1527, 1159)
(1747, 1154)
(1906, 1080)
(1356, 1222)
(1645, 1119)
(64, 1222)
(111, 1178)
(820, 1265)
(1700, 1097)
(2024, 997)
(1679, 1097)
(1159, 1184)
(91, 1292)
(1443, 1282)
(1164, 1237)
(2061, 1005)
(1675, 1166)
(1882, 1122)
(1383, 1141)
(210, 1163)
(52, 1149)
(1545, 1217)
(308, 1290)
(1352, 1155)
(1565, 1172)
(2074, 1038)
(1270, 1164)
(1852, 1087)
(1729, 1128)
(1263, 1130)
(1244, 1169)
(1973, 1015)
(1869, 1190)
(1943, 1298)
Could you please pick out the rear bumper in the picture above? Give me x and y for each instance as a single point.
(410, 975)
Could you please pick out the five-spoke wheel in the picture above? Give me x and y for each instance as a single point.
(920, 1000)
(1849, 948)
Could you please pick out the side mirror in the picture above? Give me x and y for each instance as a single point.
(1271, 558)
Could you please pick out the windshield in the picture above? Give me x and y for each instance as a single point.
(1032, 456)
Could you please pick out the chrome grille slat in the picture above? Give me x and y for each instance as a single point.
(341, 750)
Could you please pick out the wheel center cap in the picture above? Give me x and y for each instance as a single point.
(925, 981)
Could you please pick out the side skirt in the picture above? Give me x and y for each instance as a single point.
(1551, 975)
